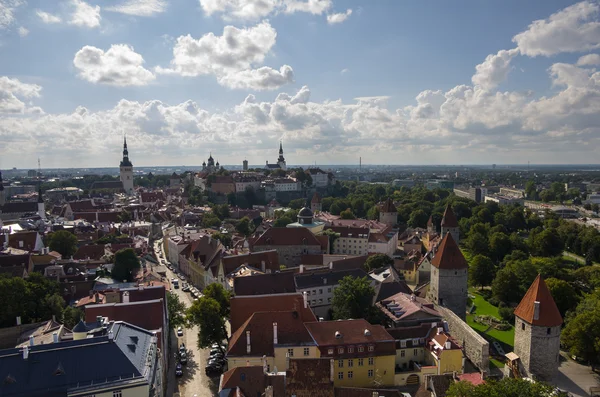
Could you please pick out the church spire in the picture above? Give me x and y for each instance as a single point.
(125, 162)
(280, 148)
(281, 159)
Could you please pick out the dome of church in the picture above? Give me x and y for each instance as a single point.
(305, 212)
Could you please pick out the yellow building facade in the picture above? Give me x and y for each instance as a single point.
(363, 371)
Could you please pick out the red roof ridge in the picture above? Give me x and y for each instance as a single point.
(548, 314)
(449, 255)
(449, 219)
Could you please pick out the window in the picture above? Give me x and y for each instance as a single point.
(330, 351)
(320, 300)
(306, 351)
(548, 331)
(340, 350)
(361, 349)
(117, 393)
(415, 342)
(340, 363)
(350, 363)
(320, 290)
(415, 352)
(523, 326)
(422, 340)
(351, 349)
(340, 375)
(329, 300)
(329, 289)
(314, 301)
(402, 343)
(308, 293)
(314, 291)
(402, 354)
(350, 375)
(371, 360)
(291, 352)
(361, 362)
(371, 348)
(370, 373)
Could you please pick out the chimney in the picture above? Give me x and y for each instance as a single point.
(331, 265)
(54, 337)
(264, 364)
(18, 320)
(301, 268)
(447, 345)
(536, 310)
(110, 335)
(248, 342)
(263, 267)
(331, 370)
(31, 340)
(440, 330)
(305, 296)
(274, 333)
(25, 353)
(324, 280)
(126, 297)
(375, 394)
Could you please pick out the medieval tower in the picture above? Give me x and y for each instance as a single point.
(449, 272)
(126, 170)
(450, 224)
(388, 213)
(315, 203)
(537, 332)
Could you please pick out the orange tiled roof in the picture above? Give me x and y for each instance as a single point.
(448, 255)
(449, 219)
(549, 316)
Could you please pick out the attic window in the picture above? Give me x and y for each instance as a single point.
(9, 380)
(131, 348)
(134, 339)
(59, 370)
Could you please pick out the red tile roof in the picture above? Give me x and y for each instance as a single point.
(251, 381)
(549, 316)
(449, 255)
(352, 332)
(288, 236)
(28, 238)
(94, 251)
(310, 377)
(388, 206)
(242, 307)
(449, 219)
(265, 284)
(254, 259)
(290, 332)
(473, 378)
(81, 206)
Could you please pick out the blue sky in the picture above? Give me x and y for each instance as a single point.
(77, 75)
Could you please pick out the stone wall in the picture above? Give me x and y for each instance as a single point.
(538, 349)
(476, 348)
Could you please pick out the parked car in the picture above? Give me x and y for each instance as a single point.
(179, 331)
(216, 346)
(179, 370)
(214, 368)
(182, 347)
(183, 358)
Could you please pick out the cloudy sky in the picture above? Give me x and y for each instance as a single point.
(396, 82)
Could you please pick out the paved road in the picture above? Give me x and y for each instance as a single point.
(194, 381)
(575, 378)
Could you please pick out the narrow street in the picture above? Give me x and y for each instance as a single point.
(194, 381)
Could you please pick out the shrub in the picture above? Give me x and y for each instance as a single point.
(506, 314)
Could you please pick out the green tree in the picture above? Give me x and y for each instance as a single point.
(126, 265)
(376, 261)
(354, 299)
(63, 242)
(221, 211)
(581, 334)
(481, 271)
(244, 226)
(418, 218)
(500, 246)
(210, 220)
(547, 195)
(297, 203)
(564, 294)
(530, 190)
(477, 243)
(507, 387)
(176, 310)
(71, 316)
(224, 238)
(546, 243)
(282, 221)
(347, 214)
(332, 237)
(221, 295)
(206, 314)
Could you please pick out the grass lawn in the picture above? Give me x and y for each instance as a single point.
(495, 363)
(483, 307)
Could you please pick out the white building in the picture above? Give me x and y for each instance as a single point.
(241, 184)
(284, 184)
(352, 240)
(319, 177)
(383, 243)
(126, 170)
(503, 200)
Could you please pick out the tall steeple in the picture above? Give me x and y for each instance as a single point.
(281, 158)
(126, 170)
(125, 162)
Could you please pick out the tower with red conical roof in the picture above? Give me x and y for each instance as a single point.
(449, 273)
(315, 203)
(537, 332)
(450, 224)
(388, 214)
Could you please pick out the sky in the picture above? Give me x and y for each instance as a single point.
(392, 81)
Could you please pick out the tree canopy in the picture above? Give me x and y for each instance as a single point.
(481, 271)
(126, 265)
(176, 310)
(376, 261)
(206, 314)
(63, 242)
(353, 298)
(507, 387)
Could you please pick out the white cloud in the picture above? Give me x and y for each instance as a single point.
(47, 17)
(141, 8)
(7, 12)
(257, 9)
(339, 17)
(264, 78)
(23, 31)
(344, 71)
(573, 29)
(85, 15)
(11, 89)
(589, 59)
(119, 66)
(230, 57)
(494, 69)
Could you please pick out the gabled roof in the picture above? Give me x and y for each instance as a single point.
(251, 381)
(29, 240)
(548, 316)
(19, 207)
(449, 255)
(93, 251)
(287, 236)
(254, 259)
(326, 277)
(352, 332)
(449, 219)
(264, 284)
(243, 307)
(290, 332)
(81, 206)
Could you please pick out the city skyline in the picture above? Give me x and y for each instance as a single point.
(394, 83)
